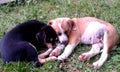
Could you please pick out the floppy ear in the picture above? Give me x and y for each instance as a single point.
(71, 25)
(41, 36)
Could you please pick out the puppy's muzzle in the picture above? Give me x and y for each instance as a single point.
(64, 42)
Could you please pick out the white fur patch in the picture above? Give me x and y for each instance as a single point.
(93, 33)
(68, 50)
(63, 37)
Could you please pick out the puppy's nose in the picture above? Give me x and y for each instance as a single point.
(64, 42)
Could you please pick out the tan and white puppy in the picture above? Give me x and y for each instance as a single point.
(88, 30)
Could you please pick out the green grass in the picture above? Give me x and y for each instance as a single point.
(44, 10)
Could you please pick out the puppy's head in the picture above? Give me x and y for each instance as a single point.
(48, 36)
(63, 27)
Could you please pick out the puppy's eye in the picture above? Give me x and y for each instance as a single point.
(65, 32)
(59, 34)
(56, 39)
(50, 23)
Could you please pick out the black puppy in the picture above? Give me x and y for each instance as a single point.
(22, 42)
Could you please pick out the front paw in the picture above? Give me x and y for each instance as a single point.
(41, 56)
(61, 58)
(84, 56)
(55, 52)
(97, 64)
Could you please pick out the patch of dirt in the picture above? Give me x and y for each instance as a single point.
(69, 66)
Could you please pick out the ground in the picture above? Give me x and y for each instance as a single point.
(14, 13)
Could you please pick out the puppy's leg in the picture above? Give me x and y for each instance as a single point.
(20, 51)
(44, 60)
(94, 50)
(73, 42)
(31, 53)
(68, 50)
(42, 57)
(102, 59)
(107, 45)
(57, 50)
(46, 53)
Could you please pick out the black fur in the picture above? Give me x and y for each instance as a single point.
(22, 42)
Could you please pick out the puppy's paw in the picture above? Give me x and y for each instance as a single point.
(41, 56)
(84, 56)
(97, 64)
(55, 52)
(52, 58)
(61, 57)
(37, 64)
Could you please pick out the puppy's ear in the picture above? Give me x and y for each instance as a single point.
(50, 23)
(71, 25)
(41, 36)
